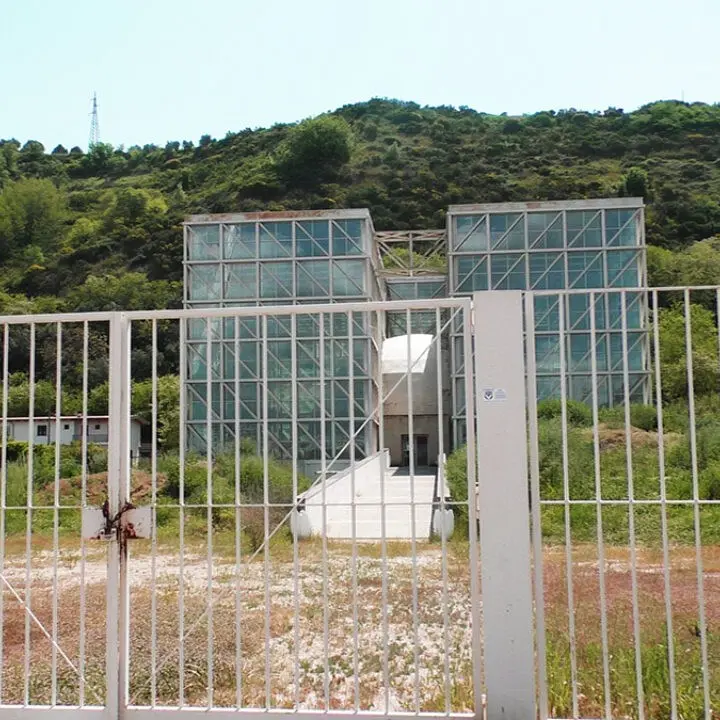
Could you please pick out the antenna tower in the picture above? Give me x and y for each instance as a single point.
(94, 126)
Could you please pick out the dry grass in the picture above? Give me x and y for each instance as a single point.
(352, 672)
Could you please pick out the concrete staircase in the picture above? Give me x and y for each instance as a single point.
(368, 498)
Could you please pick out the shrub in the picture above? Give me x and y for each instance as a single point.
(710, 482)
(643, 417)
(578, 414)
(16, 450)
(456, 479)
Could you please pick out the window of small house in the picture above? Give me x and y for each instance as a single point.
(42, 430)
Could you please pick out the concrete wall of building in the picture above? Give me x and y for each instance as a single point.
(20, 430)
(424, 386)
(70, 430)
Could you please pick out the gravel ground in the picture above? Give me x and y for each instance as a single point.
(289, 647)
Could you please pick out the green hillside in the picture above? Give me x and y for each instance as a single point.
(101, 230)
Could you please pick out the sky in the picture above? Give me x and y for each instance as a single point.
(177, 69)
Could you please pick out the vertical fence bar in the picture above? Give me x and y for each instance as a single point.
(124, 490)
(323, 476)
(3, 493)
(473, 452)
(182, 441)
(443, 509)
(599, 510)
(696, 502)
(663, 506)
(381, 319)
(209, 501)
(294, 456)
(153, 503)
(353, 506)
(413, 509)
(29, 505)
(503, 500)
(56, 505)
(266, 508)
(116, 379)
(535, 508)
(563, 336)
(83, 503)
(238, 526)
(631, 508)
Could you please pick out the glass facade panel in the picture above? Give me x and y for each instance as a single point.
(268, 263)
(312, 238)
(584, 228)
(346, 238)
(585, 270)
(471, 274)
(621, 228)
(545, 230)
(571, 247)
(623, 268)
(241, 281)
(471, 234)
(348, 278)
(547, 271)
(313, 278)
(276, 280)
(276, 240)
(240, 242)
(508, 272)
(203, 282)
(204, 242)
(507, 232)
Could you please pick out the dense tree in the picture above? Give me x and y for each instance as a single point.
(315, 150)
(673, 351)
(32, 213)
(129, 291)
(108, 226)
(636, 183)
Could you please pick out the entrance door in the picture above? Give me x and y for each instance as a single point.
(420, 450)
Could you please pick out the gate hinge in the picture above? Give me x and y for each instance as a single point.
(128, 523)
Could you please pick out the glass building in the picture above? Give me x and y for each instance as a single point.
(282, 259)
(576, 245)
(336, 256)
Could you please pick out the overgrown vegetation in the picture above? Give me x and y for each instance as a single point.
(100, 231)
(567, 471)
(170, 488)
(72, 223)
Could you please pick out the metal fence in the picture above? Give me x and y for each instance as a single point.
(245, 574)
(625, 510)
(193, 581)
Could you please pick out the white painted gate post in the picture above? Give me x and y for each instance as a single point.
(118, 492)
(504, 505)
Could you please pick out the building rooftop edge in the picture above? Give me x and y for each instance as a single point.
(581, 204)
(270, 215)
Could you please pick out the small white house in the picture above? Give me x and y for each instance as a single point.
(70, 429)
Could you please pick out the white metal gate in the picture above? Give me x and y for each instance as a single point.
(223, 607)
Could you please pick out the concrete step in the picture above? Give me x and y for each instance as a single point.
(399, 491)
